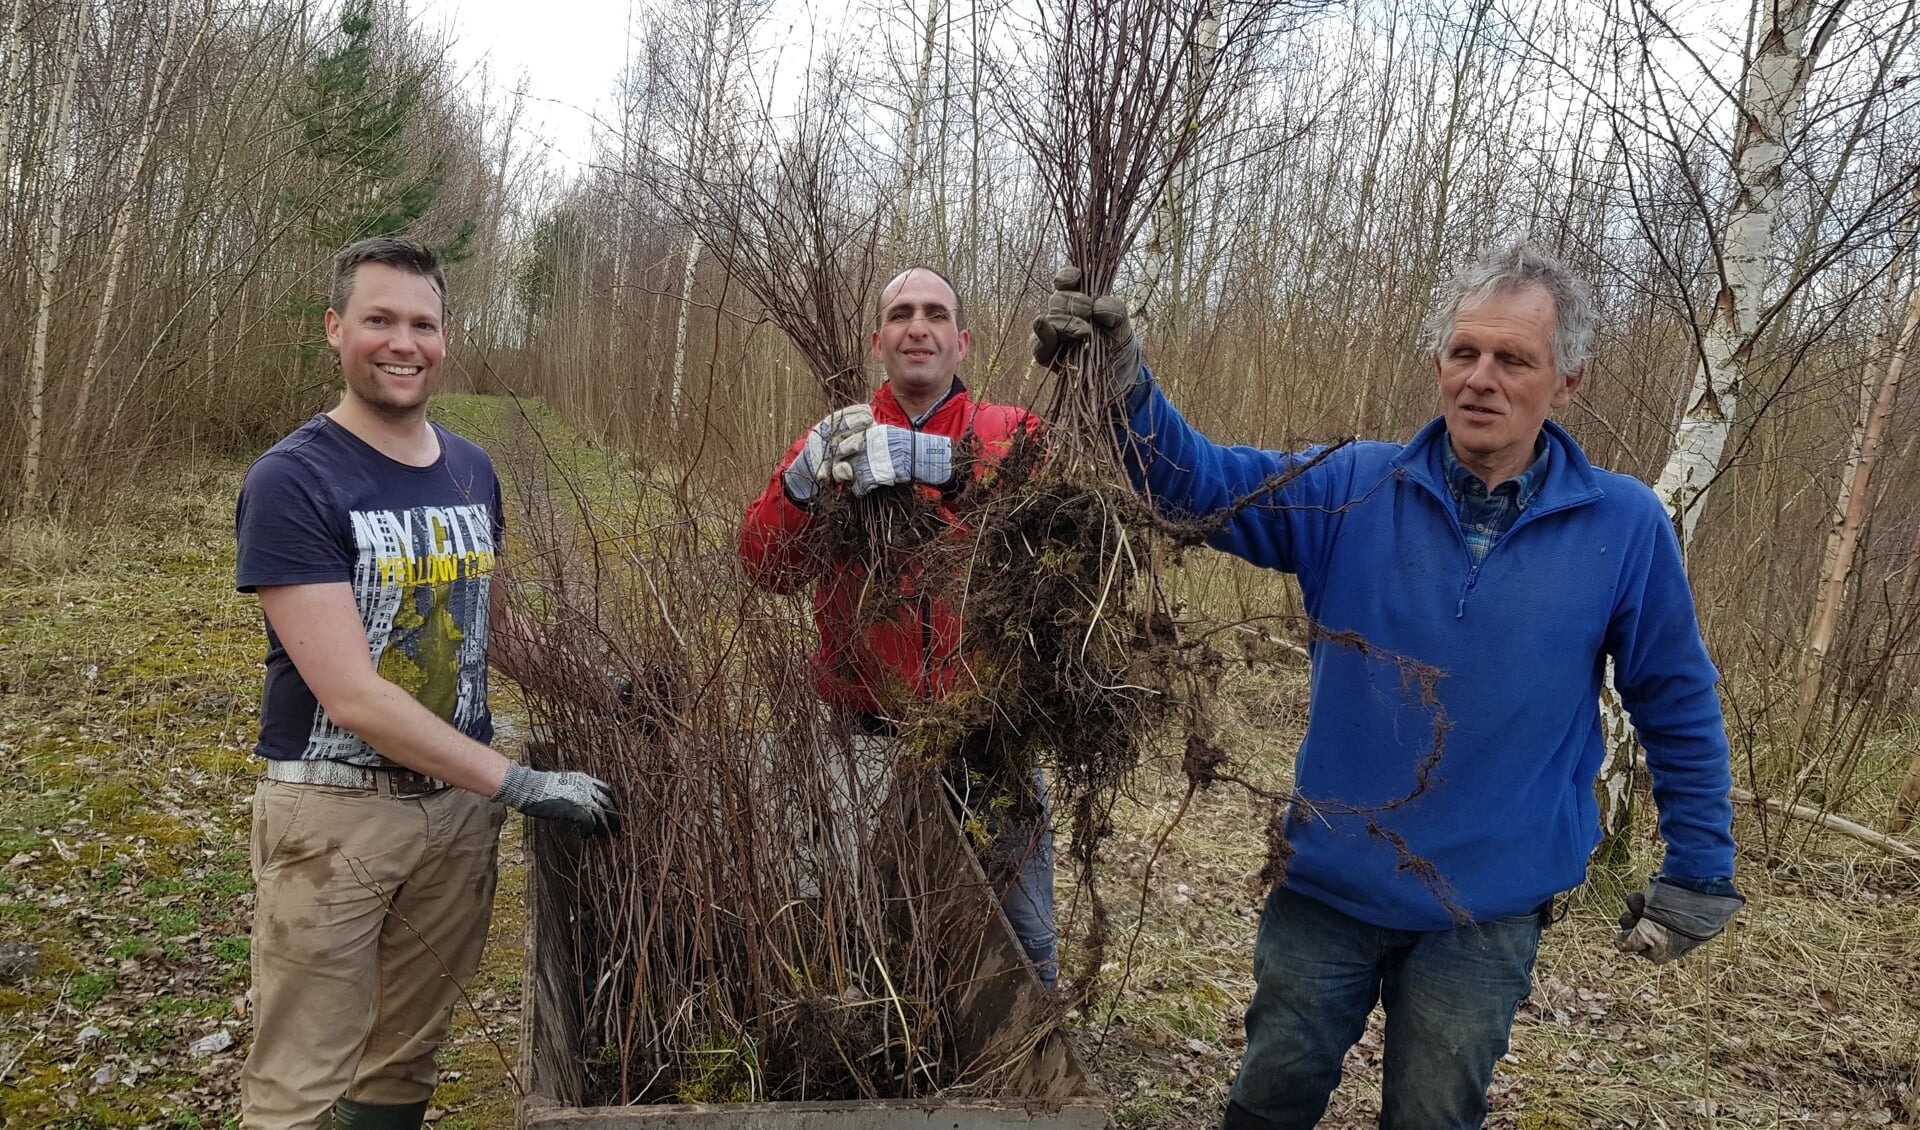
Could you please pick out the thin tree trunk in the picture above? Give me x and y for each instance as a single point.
(163, 89)
(1769, 101)
(1464, 62)
(1909, 798)
(916, 109)
(1363, 224)
(943, 162)
(47, 263)
(15, 58)
(1877, 392)
(1871, 103)
(1168, 233)
(703, 144)
(497, 210)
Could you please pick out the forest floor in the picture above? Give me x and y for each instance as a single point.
(129, 682)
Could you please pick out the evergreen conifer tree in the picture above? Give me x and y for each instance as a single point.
(365, 177)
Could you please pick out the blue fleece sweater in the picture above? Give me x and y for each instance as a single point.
(1512, 650)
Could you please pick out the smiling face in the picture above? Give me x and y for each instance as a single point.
(920, 342)
(391, 339)
(1498, 383)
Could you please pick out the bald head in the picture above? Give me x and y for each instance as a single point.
(892, 290)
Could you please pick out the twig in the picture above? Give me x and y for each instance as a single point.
(39, 1032)
(1140, 916)
(1839, 824)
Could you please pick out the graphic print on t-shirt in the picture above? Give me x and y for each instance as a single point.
(421, 581)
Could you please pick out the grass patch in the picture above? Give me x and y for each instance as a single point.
(88, 988)
(44, 547)
(128, 688)
(128, 676)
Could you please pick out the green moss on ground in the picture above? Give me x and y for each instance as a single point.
(129, 688)
(129, 683)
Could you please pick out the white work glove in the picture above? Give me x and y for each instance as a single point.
(1666, 920)
(885, 455)
(813, 467)
(578, 799)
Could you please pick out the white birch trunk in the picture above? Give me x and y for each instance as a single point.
(489, 331)
(163, 88)
(916, 111)
(16, 57)
(47, 264)
(712, 97)
(1769, 101)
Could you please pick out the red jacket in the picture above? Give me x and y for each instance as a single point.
(911, 649)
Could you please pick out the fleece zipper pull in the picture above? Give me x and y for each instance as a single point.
(1460, 610)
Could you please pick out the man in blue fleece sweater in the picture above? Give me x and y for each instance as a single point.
(1488, 550)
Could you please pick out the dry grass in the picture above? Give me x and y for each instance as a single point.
(123, 855)
(45, 547)
(1805, 1014)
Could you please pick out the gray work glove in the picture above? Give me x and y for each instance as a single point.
(1070, 321)
(1666, 920)
(885, 455)
(577, 799)
(813, 467)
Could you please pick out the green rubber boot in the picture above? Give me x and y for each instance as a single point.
(350, 1115)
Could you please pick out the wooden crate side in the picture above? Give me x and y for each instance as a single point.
(549, 1003)
(999, 1013)
(879, 1114)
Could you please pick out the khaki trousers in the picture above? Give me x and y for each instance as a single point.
(369, 916)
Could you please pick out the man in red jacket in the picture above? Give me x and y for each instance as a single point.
(876, 658)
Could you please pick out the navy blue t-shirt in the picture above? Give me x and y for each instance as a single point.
(416, 543)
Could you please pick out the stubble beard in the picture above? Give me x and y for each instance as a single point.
(378, 402)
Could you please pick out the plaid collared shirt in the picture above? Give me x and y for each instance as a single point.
(1486, 515)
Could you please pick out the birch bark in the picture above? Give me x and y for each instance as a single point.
(916, 111)
(1877, 391)
(711, 96)
(1770, 96)
(164, 86)
(1909, 795)
(15, 59)
(47, 261)
(1167, 233)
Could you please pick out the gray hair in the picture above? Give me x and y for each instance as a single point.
(1520, 267)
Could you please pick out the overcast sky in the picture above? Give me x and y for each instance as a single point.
(569, 61)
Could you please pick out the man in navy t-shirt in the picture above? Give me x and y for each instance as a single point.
(370, 536)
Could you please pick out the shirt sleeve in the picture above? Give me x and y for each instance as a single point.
(287, 533)
(774, 544)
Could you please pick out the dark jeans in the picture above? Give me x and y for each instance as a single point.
(1450, 997)
(1028, 900)
(1019, 857)
(1020, 864)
